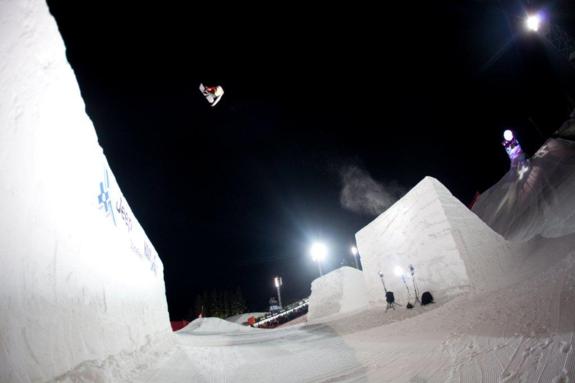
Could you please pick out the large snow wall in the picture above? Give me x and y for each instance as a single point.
(80, 280)
(338, 292)
(451, 249)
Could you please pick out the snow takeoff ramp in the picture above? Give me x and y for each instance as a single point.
(80, 280)
(450, 247)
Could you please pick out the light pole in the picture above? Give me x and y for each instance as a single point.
(412, 271)
(278, 283)
(399, 272)
(382, 281)
(355, 254)
(318, 253)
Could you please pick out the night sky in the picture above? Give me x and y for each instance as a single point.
(231, 196)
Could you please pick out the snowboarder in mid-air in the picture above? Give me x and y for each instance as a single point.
(212, 93)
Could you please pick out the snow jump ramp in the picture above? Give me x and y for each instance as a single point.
(82, 287)
(451, 248)
(338, 292)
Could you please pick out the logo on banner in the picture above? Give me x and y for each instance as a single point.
(121, 209)
(104, 199)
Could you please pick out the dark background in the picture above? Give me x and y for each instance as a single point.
(233, 195)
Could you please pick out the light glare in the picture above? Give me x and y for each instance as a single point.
(533, 22)
(318, 251)
(508, 135)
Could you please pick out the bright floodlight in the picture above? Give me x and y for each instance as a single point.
(398, 271)
(508, 135)
(277, 281)
(318, 251)
(354, 250)
(533, 22)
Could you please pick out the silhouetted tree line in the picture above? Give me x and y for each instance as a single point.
(218, 303)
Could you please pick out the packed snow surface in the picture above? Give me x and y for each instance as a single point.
(522, 333)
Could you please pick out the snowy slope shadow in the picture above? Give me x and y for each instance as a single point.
(296, 354)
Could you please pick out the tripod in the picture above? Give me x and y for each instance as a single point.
(407, 287)
(389, 297)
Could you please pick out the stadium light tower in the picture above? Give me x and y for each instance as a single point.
(355, 254)
(533, 22)
(278, 283)
(559, 39)
(318, 253)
